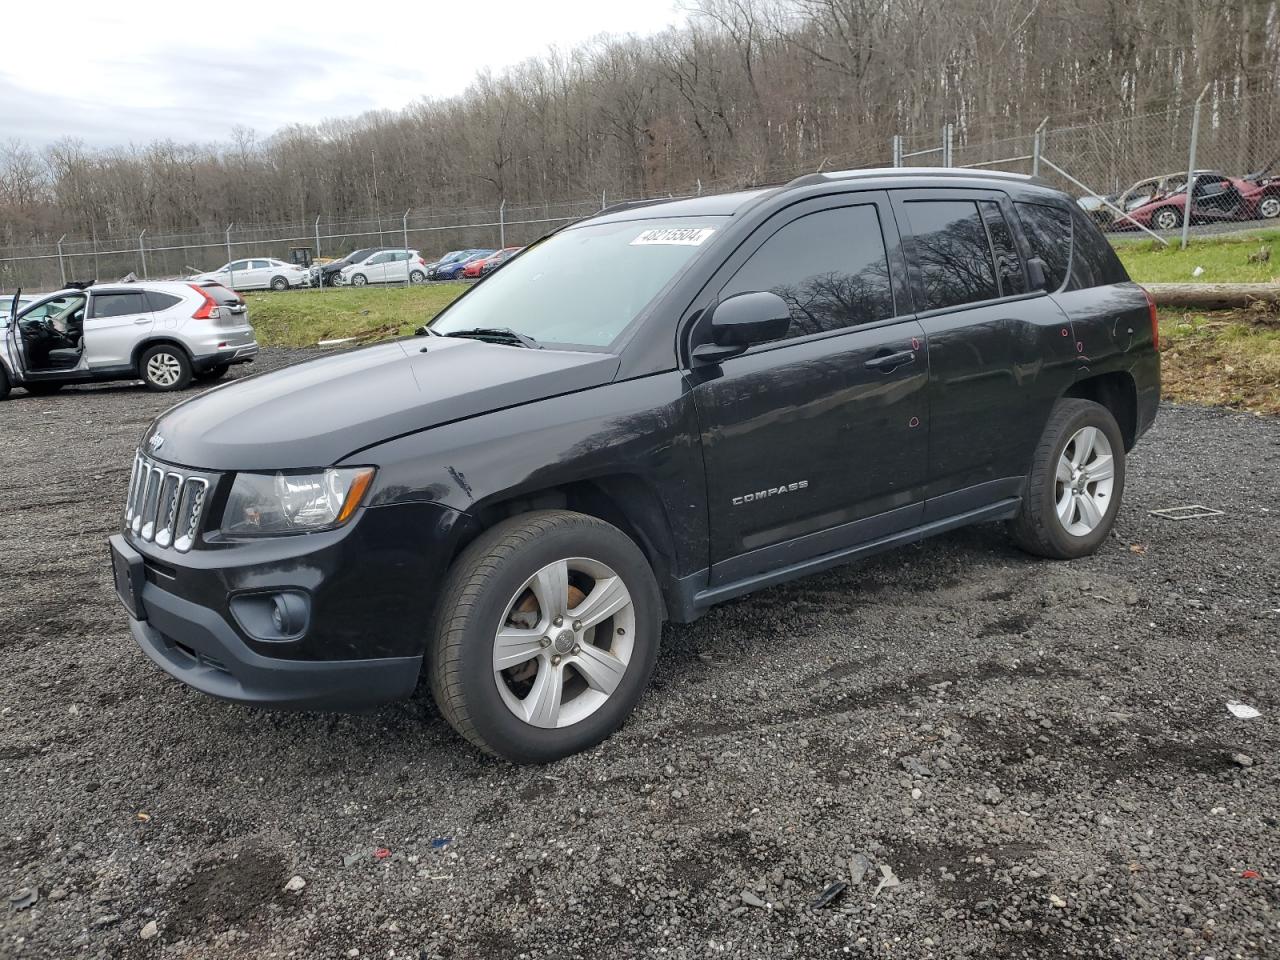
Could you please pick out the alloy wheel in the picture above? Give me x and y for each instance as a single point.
(164, 369)
(1084, 482)
(1166, 220)
(564, 643)
(1270, 208)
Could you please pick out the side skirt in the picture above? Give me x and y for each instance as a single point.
(690, 598)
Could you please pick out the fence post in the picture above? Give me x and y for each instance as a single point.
(1191, 166)
(502, 224)
(1037, 147)
(948, 135)
(897, 149)
(231, 274)
(317, 236)
(404, 224)
(143, 251)
(62, 266)
(602, 203)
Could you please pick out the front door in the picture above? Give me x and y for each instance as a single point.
(116, 321)
(816, 442)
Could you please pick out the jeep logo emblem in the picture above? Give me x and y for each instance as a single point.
(156, 442)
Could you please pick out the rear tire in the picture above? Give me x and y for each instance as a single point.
(215, 373)
(502, 597)
(164, 368)
(1077, 481)
(279, 284)
(1269, 208)
(1166, 218)
(417, 277)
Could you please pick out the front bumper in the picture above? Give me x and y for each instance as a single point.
(195, 645)
(370, 589)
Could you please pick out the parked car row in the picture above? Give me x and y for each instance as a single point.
(257, 273)
(1160, 202)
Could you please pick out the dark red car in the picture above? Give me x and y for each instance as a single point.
(1215, 197)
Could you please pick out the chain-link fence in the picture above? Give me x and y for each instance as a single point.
(1130, 174)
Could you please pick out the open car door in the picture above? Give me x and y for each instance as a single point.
(14, 346)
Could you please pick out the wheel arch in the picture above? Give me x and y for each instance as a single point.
(150, 342)
(624, 500)
(1118, 392)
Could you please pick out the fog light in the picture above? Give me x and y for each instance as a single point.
(274, 616)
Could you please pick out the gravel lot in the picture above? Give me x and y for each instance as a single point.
(1039, 755)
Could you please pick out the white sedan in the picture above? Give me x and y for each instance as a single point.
(386, 266)
(258, 274)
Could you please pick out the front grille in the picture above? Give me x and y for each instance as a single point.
(164, 505)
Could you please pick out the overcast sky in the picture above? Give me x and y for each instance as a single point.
(116, 73)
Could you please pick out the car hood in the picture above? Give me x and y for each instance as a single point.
(316, 413)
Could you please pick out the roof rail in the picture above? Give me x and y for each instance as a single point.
(632, 204)
(957, 172)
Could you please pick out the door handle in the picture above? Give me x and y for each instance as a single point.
(142, 320)
(891, 361)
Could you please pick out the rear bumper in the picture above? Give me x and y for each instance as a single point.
(244, 353)
(210, 657)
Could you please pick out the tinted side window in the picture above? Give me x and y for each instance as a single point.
(117, 304)
(953, 253)
(161, 301)
(830, 267)
(1048, 233)
(1013, 279)
(1094, 263)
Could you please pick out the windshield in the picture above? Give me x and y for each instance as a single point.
(583, 285)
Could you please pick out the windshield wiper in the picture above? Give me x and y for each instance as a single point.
(504, 335)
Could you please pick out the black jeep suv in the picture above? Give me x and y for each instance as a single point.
(652, 411)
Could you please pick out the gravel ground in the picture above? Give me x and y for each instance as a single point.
(1000, 757)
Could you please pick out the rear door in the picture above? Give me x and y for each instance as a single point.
(397, 269)
(815, 442)
(375, 270)
(1000, 354)
(116, 320)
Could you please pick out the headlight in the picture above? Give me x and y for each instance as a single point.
(264, 504)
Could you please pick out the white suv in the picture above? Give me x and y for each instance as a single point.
(163, 333)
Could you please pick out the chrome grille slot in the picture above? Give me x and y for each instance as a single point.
(188, 521)
(167, 511)
(164, 505)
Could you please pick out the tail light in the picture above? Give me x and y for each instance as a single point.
(207, 310)
(421, 261)
(1155, 319)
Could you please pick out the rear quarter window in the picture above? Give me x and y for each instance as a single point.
(1094, 263)
(1048, 233)
(161, 301)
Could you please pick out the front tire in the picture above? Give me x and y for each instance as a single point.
(165, 368)
(546, 636)
(359, 280)
(1269, 208)
(5, 386)
(1077, 480)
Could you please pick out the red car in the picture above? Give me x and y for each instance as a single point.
(476, 269)
(1216, 197)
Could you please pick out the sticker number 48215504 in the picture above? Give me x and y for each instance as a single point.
(673, 236)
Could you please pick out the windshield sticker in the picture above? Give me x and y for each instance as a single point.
(673, 236)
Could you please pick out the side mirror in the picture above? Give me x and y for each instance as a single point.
(1038, 273)
(741, 321)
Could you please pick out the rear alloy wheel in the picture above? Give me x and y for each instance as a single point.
(1077, 479)
(1269, 208)
(165, 368)
(546, 636)
(359, 280)
(417, 277)
(1167, 218)
(279, 283)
